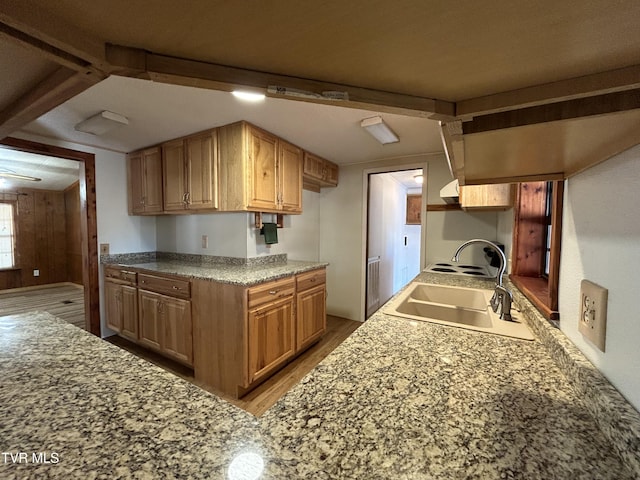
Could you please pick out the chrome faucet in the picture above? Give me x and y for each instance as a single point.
(502, 298)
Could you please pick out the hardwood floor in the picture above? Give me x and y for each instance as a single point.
(64, 300)
(260, 399)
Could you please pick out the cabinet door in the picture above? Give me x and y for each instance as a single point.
(135, 178)
(202, 172)
(174, 176)
(262, 159)
(152, 175)
(177, 329)
(270, 337)
(129, 304)
(311, 318)
(113, 301)
(150, 328)
(290, 166)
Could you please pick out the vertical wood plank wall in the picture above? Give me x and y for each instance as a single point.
(42, 240)
(74, 233)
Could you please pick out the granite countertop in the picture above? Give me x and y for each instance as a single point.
(398, 399)
(240, 274)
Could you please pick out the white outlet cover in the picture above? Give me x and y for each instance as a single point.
(592, 323)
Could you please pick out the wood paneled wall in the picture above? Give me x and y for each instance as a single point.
(42, 243)
(74, 233)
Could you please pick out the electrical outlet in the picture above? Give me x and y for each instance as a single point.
(36, 273)
(593, 313)
(205, 241)
(104, 249)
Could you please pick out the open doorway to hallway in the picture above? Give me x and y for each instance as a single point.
(394, 232)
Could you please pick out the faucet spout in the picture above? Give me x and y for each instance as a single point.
(501, 256)
(502, 298)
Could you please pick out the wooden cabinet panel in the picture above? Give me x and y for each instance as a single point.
(262, 160)
(150, 327)
(488, 197)
(145, 181)
(129, 306)
(112, 293)
(311, 318)
(290, 177)
(270, 291)
(271, 337)
(174, 176)
(318, 172)
(202, 172)
(311, 279)
(177, 338)
(170, 286)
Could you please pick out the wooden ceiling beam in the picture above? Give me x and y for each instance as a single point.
(612, 81)
(54, 90)
(180, 71)
(54, 38)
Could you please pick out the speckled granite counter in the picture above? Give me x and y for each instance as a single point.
(230, 273)
(398, 399)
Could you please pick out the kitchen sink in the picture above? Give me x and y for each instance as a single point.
(456, 307)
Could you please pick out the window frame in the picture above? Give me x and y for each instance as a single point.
(14, 248)
(533, 214)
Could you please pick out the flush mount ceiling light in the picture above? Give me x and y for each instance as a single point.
(379, 130)
(418, 178)
(102, 123)
(248, 96)
(4, 174)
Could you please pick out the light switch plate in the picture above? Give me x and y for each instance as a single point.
(592, 323)
(104, 249)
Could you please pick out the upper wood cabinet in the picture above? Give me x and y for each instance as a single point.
(258, 171)
(145, 181)
(319, 172)
(190, 168)
(487, 197)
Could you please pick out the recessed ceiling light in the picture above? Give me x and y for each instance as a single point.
(248, 96)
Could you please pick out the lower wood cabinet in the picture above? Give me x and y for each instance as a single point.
(165, 325)
(153, 311)
(243, 335)
(121, 304)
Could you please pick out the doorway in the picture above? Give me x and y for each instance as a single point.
(394, 233)
(88, 220)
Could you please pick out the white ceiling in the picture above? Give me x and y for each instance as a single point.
(158, 112)
(55, 173)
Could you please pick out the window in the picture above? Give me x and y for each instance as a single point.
(536, 244)
(7, 235)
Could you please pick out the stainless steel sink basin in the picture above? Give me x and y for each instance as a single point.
(457, 307)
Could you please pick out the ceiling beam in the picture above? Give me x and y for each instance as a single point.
(612, 81)
(53, 37)
(180, 71)
(565, 110)
(54, 90)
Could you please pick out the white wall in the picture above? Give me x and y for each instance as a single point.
(601, 243)
(235, 235)
(505, 234)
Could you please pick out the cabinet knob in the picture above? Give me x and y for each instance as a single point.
(273, 292)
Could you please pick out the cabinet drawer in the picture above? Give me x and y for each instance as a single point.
(169, 286)
(267, 292)
(120, 274)
(307, 280)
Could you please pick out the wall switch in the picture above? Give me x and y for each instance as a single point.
(205, 241)
(593, 313)
(104, 249)
(36, 273)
